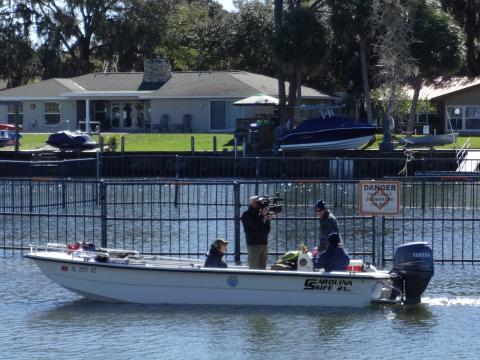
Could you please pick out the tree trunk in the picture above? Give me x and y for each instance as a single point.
(366, 86)
(417, 85)
(471, 29)
(282, 99)
(292, 95)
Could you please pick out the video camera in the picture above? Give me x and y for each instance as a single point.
(272, 203)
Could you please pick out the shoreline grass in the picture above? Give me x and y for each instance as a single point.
(172, 142)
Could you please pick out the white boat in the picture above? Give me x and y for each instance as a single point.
(428, 140)
(119, 276)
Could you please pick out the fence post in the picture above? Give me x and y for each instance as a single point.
(98, 166)
(177, 167)
(103, 213)
(177, 175)
(214, 139)
(192, 145)
(64, 194)
(30, 196)
(423, 194)
(236, 220)
(257, 174)
(383, 242)
(374, 240)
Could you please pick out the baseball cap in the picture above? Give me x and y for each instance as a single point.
(219, 242)
(320, 205)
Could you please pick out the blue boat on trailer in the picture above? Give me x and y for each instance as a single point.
(328, 132)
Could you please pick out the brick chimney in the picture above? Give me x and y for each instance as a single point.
(156, 71)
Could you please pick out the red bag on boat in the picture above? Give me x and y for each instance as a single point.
(73, 247)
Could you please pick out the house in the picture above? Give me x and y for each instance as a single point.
(155, 100)
(457, 100)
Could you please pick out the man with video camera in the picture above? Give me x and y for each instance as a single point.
(256, 225)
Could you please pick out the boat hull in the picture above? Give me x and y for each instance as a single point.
(197, 285)
(428, 140)
(331, 133)
(345, 144)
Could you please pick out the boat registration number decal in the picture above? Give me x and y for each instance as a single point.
(79, 269)
(232, 281)
(342, 285)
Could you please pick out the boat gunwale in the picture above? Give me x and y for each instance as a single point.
(323, 130)
(378, 275)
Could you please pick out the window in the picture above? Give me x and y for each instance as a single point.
(140, 115)
(115, 115)
(455, 115)
(11, 113)
(218, 115)
(472, 118)
(52, 113)
(101, 109)
(127, 115)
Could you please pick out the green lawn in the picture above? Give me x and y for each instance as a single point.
(182, 142)
(144, 142)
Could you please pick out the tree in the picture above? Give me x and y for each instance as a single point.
(72, 27)
(442, 56)
(467, 14)
(351, 36)
(17, 58)
(282, 98)
(300, 44)
(393, 40)
(250, 37)
(139, 31)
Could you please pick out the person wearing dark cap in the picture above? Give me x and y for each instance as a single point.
(256, 225)
(215, 254)
(328, 224)
(335, 258)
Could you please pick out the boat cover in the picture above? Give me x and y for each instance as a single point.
(328, 123)
(71, 140)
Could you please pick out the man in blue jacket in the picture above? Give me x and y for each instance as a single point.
(215, 254)
(328, 224)
(335, 258)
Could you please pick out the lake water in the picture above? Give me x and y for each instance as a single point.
(40, 320)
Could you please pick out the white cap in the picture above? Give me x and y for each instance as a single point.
(254, 199)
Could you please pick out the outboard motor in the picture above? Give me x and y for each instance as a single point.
(413, 263)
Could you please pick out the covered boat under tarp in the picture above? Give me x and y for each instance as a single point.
(328, 133)
(68, 140)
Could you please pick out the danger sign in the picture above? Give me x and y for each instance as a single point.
(379, 197)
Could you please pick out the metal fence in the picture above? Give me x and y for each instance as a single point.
(182, 218)
(222, 167)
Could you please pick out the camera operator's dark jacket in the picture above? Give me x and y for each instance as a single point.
(214, 259)
(256, 229)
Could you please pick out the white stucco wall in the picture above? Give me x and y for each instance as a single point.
(34, 121)
(198, 108)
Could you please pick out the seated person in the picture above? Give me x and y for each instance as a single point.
(335, 258)
(215, 254)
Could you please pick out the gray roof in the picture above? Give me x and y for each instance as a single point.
(110, 81)
(230, 84)
(46, 88)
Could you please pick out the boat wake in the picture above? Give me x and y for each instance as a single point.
(452, 301)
